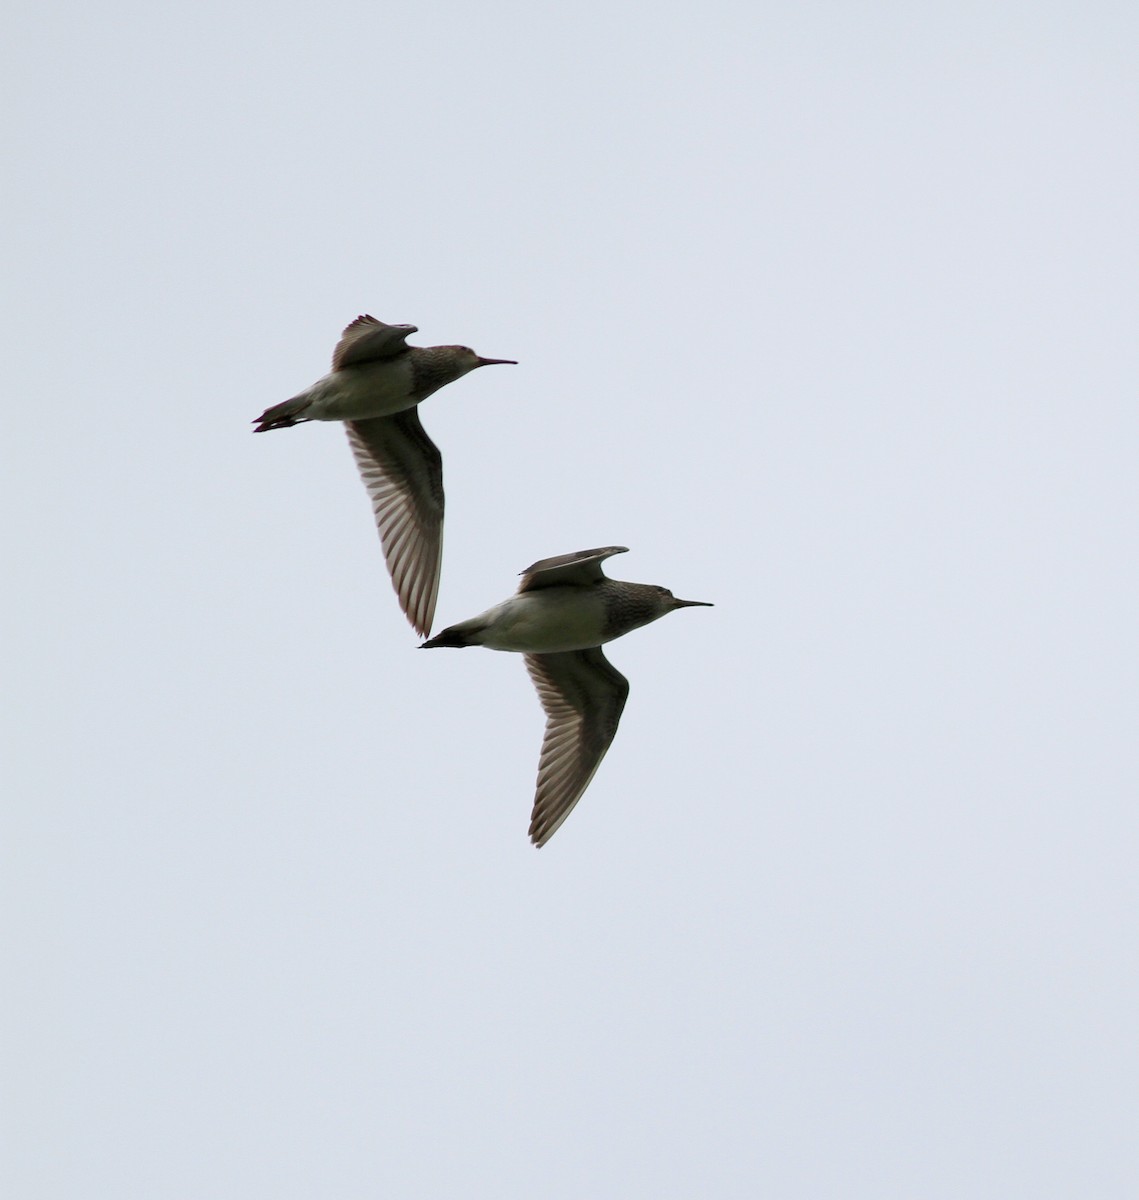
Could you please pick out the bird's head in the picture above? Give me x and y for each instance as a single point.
(465, 359)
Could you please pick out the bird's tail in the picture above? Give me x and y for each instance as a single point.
(281, 416)
(464, 634)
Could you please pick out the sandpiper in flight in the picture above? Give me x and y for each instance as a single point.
(375, 384)
(564, 610)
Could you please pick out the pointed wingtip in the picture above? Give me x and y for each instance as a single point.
(538, 836)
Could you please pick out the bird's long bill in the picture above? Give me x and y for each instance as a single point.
(494, 362)
(692, 603)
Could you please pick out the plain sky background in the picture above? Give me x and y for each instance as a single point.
(829, 312)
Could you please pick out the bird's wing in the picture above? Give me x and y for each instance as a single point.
(367, 339)
(403, 472)
(583, 696)
(583, 567)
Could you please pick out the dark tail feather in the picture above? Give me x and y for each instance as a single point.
(455, 636)
(282, 416)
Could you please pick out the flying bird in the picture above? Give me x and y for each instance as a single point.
(375, 385)
(565, 609)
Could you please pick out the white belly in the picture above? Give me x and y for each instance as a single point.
(546, 621)
(368, 390)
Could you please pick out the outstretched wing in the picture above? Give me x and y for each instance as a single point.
(582, 567)
(583, 696)
(403, 472)
(367, 339)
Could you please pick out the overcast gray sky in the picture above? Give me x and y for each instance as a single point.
(828, 312)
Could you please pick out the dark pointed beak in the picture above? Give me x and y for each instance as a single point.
(494, 362)
(692, 603)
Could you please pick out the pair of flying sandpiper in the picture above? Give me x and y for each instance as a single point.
(565, 608)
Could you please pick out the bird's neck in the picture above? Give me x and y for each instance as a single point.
(629, 605)
(433, 367)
